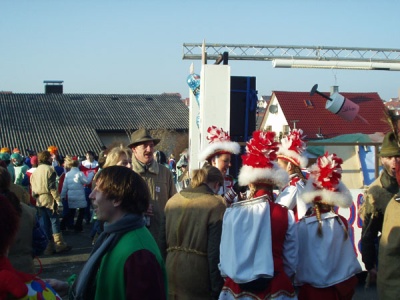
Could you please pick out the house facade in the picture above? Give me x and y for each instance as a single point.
(289, 110)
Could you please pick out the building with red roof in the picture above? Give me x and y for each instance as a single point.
(288, 110)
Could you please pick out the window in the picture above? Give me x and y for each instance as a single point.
(285, 129)
(308, 103)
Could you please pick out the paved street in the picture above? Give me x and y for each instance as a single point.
(63, 265)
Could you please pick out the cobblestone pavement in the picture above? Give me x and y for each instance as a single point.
(61, 266)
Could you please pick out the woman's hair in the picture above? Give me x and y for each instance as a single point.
(5, 179)
(160, 157)
(318, 206)
(69, 162)
(298, 171)
(5, 182)
(90, 152)
(207, 174)
(122, 184)
(114, 154)
(267, 187)
(9, 224)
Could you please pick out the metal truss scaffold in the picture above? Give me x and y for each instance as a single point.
(193, 51)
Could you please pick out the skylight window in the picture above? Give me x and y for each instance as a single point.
(308, 103)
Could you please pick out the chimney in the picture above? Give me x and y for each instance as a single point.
(334, 89)
(53, 86)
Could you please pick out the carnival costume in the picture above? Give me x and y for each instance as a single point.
(259, 241)
(220, 143)
(327, 265)
(292, 149)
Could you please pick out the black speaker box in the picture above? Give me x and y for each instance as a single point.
(243, 89)
(242, 115)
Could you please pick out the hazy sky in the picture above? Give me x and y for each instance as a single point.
(135, 47)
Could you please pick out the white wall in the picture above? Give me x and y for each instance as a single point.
(215, 86)
(276, 120)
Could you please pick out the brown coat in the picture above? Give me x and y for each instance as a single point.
(161, 186)
(44, 189)
(377, 197)
(20, 192)
(389, 254)
(193, 234)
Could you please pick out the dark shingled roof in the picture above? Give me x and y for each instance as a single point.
(72, 121)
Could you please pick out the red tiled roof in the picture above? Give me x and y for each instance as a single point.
(316, 119)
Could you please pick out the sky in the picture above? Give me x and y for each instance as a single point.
(136, 47)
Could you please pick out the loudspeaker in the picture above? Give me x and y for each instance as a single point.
(242, 116)
(243, 108)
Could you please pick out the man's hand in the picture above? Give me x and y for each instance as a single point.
(149, 211)
(61, 287)
(371, 277)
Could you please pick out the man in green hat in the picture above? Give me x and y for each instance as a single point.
(376, 198)
(158, 177)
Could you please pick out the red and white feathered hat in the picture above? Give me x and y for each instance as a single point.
(324, 184)
(259, 161)
(219, 143)
(292, 148)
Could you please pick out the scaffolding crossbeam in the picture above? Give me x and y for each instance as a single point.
(193, 51)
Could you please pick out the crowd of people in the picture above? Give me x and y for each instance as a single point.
(162, 231)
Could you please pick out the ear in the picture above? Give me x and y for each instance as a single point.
(289, 166)
(216, 185)
(116, 203)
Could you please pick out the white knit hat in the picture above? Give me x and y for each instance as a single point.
(220, 143)
(324, 183)
(292, 147)
(259, 161)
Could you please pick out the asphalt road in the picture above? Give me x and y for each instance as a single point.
(61, 266)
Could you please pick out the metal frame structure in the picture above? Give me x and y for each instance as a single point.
(308, 54)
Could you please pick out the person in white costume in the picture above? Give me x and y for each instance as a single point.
(218, 154)
(258, 252)
(292, 159)
(327, 265)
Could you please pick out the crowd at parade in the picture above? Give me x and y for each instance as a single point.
(162, 231)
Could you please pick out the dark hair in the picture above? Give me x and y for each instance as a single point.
(3, 164)
(123, 184)
(5, 179)
(160, 157)
(43, 157)
(5, 182)
(90, 152)
(9, 224)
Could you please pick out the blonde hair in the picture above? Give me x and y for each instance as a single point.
(69, 162)
(317, 208)
(256, 186)
(207, 174)
(115, 153)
